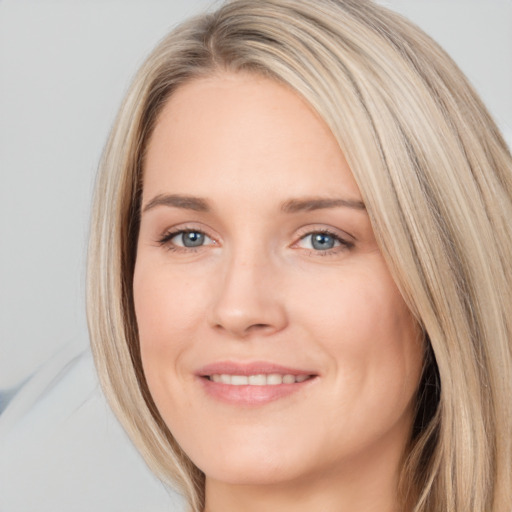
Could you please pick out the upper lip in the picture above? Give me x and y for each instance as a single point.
(249, 368)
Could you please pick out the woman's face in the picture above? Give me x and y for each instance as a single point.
(274, 341)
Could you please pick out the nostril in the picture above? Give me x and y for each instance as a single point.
(245, 331)
(258, 327)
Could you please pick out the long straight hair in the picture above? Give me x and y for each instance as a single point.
(436, 177)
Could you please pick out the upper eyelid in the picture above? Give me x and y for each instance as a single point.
(336, 232)
(187, 228)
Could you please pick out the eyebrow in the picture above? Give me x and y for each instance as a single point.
(178, 201)
(319, 203)
(307, 204)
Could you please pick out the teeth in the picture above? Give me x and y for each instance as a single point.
(239, 380)
(272, 379)
(257, 380)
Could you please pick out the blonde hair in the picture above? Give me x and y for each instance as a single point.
(436, 178)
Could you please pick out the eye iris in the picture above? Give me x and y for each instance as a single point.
(192, 239)
(322, 241)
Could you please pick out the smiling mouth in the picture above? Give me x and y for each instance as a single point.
(251, 384)
(272, 379)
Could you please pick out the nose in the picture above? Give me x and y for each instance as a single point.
(248, 300)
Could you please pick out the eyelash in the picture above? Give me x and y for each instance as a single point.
(344, 245)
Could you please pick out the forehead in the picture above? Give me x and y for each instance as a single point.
(247, 131)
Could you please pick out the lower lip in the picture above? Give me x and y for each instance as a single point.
(252, 395)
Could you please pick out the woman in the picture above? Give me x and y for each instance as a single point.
(299, 266)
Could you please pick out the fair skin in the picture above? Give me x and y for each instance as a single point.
(256, 257)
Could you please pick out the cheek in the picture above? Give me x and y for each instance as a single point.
(390, 347)
(363, 323)
(167, 307)
(376, 356)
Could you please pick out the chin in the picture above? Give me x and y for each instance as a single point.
(256, 456)
(251, 469)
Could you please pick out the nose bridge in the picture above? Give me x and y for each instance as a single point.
(248, 298)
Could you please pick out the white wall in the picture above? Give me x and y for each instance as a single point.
(64, 66)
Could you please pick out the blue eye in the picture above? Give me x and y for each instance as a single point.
(322, 241)
(189, 239)
(185, 239)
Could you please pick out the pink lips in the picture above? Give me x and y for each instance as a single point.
(253, 368)
(257, 373)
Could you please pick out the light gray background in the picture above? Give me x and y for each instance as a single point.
(64, 67)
